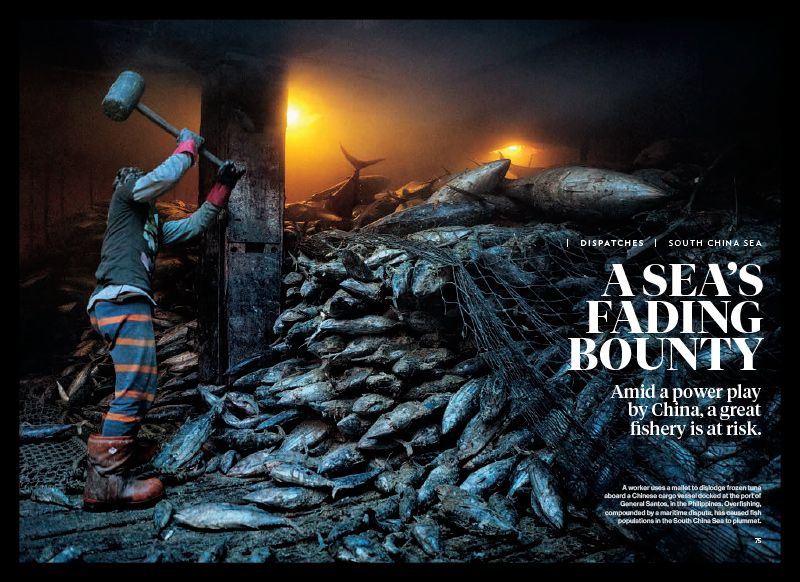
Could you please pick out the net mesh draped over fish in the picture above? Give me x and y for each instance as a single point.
(522, 292)
(47, 462)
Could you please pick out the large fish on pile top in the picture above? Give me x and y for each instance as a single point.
(585, 194)
(465, 200)
(333, 206)
(342, 201)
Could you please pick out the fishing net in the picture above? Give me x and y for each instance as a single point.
(522, 292)
(48, 463)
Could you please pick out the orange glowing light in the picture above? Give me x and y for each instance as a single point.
(519, 154)
(292, 116)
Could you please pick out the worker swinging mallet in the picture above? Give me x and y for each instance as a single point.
(121, 306)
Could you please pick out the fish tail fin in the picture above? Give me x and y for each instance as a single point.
(334, 491)
(359, 164)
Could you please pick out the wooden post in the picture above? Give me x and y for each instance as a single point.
(243, 118)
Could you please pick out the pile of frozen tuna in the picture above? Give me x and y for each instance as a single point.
(478, 196)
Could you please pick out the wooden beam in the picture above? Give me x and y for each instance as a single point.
(243, 117)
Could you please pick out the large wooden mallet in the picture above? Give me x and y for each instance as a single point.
(123, 97)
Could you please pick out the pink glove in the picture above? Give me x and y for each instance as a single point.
(187, 147)
(219, 194)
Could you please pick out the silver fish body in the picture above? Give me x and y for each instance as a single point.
(365, 325)
(470, 184)
(424, 216)
(445, 474)
(341, 458)
(400, 418)
(545, 493)
(354, 378)
(469, 512)
(327, 346)
(262, 462)
(506, 444)
(427, 279)
(33, 433)
(586, 194)
(407, 503)
(186, 443)
(428, 536)
(423, 438)
(519, 477)
(493, 396)
(227, 461)
(221, 516)
(409, 473)
(370, 292)
(476, 436)
(355, 548)
(385, 256)
(284, 369)
(591, 395)
(418, 361)
(280, 419)
(372, 405)
(343, 305)
(355, 480)
(235, 422)
(286, 497)
(294, 474)
(504, 507)
(55, 496)
(359, 347)
(299, 380)
(303, 395)
(241, 402)
(462, 406)
(334, 410)
(162, 514)
(449, 383)
(246, 440)
(353, 426)
(305, 435)
(488, 478)
(68, 554)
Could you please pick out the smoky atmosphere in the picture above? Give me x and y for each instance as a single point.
(430, 97)
(400, 291)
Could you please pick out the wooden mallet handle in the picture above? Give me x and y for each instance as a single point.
(169, 128)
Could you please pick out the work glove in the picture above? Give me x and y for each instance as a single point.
(227, 177)
(188, 143)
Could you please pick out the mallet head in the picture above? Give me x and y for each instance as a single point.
(123, 95)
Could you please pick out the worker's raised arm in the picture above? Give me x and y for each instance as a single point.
(163, 178)
(185, 229)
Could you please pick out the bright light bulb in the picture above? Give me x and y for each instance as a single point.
(292, 116)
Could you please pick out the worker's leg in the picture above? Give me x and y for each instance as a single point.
(128, 330)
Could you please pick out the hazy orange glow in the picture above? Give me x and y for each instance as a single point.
(375, 119)
(519, 153)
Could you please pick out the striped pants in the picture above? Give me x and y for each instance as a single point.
(127, 328)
